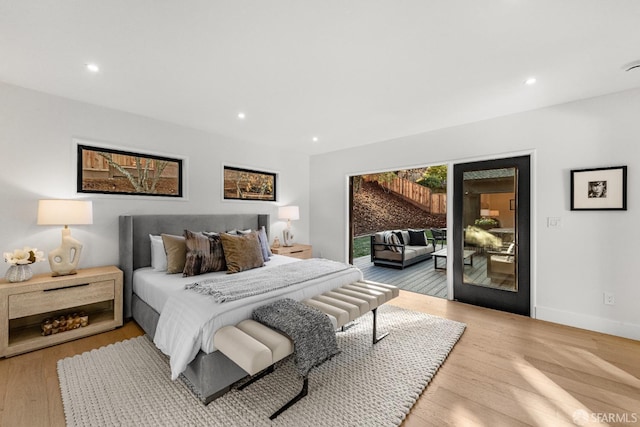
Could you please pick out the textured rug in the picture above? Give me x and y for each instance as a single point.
(128, 383)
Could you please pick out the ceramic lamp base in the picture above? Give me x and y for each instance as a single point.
(287, 237)
(64, 260)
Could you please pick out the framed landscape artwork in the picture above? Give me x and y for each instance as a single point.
(110, 171)
(599, 189)
(247, 184)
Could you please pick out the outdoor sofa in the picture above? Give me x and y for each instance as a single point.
(400, 248)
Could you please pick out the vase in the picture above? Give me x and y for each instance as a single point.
(19, 273)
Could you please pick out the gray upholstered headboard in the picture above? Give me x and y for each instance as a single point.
(135, 247)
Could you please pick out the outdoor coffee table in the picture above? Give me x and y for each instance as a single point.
(442, 253)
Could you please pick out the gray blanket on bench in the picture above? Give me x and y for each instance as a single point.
(310, 330)
(261, 280)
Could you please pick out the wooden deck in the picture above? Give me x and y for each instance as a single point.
(423, 278)
(420, 278)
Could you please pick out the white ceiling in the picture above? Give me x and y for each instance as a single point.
(351, 72)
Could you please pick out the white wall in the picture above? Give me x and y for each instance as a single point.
(592, 251)
(37, 161)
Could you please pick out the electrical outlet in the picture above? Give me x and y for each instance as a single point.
(609, 298)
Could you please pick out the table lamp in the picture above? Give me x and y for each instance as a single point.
(64, 259)
(289, 213)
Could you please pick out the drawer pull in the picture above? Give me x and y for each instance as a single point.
(296, 252)
(67, 287)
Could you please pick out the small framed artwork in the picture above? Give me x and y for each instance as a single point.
(599, 189)
(512, 204)
(105, 170)
(248, 184)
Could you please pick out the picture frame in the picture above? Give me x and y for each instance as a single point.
(107, 170)
(512, 204)
(599, 189)
(248, 184)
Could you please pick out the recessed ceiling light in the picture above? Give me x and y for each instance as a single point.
(530, 81)
(241, 116)
(314, 139)
(92, 67)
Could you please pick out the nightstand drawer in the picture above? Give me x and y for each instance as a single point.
(294, 251)
(27, 304)
(300, 253)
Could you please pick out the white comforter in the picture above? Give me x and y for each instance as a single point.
(188, 320)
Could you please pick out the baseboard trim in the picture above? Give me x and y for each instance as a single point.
(592, 323)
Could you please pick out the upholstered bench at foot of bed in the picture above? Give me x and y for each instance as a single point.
(252, 345)
(255, 347)
(345, 304)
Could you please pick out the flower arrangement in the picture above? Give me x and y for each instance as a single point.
(23, 256)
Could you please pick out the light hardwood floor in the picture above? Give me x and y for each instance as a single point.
(506, 370)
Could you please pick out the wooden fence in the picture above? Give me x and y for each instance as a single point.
(416, 194)
(96, 166)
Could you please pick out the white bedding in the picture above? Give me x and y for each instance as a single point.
(155, 287)
(189, 320)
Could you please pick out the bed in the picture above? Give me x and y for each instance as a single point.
(209, 373)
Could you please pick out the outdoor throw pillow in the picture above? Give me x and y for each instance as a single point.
(393, 241)
(417, 238)
(511, 250)
(400, 238)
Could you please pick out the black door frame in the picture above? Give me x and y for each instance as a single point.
(515, 302)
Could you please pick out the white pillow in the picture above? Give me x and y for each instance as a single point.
(236, 232)
(511, 250)
(158, 254)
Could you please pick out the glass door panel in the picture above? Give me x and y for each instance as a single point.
(489, 224)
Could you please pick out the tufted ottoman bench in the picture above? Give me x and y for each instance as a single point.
(255, 347)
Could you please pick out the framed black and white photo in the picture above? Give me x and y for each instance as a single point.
(599, 189)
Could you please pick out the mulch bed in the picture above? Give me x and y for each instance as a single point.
(375, 209)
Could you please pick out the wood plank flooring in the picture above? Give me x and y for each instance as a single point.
(506, 370)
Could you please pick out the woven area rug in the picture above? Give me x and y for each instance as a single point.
(128, 383)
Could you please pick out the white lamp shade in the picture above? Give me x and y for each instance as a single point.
(289, 212)
(485, 212)
(65, 212)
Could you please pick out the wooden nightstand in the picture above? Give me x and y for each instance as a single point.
(24, 305)
(295, 251)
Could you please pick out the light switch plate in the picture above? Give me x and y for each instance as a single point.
(553, 221)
